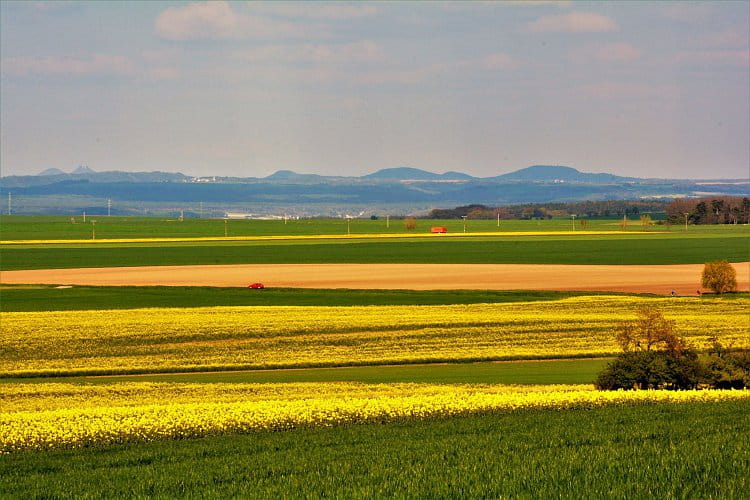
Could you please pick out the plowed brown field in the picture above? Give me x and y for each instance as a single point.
(683, 278)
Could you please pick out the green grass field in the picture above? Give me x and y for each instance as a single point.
(618, 250)
(33, 227)
(50, 298)
(563, 371)
(635, 246)
(659, 451)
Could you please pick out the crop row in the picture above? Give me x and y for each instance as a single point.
(215, 338)
(137, 412)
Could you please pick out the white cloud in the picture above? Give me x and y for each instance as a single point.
(713, 57)
(728, 38)
(538, 3)
(218, 20)
(97, 64)
(573, 22)
(490, 62)
(611, 52)
(616, 90)
(472, 6)
(464, 67)
(687, 11)
(320, 53)
(315, 11)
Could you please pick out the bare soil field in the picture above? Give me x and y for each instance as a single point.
(658, 279)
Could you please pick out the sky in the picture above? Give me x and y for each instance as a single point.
(245, 89)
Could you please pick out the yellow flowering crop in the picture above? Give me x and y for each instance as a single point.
(46, 416)
(321, 237)
(214, 338)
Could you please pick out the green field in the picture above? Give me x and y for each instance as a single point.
(563, 371)
(51, 298)
(627, 451)
(619, 250)
(33, 227)
(659, 451)
(636, 246)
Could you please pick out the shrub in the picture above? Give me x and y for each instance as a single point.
(654, 356)
(727, 369)
(410, 224)
(651, 370)
(719, 276)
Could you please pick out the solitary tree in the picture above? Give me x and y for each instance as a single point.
(410, 224)
(650, 331)
(719, 276)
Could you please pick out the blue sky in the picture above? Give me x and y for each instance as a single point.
(247, 88)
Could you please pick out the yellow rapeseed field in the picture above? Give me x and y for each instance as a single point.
(367, 236)
(212, 338)
(55, 415)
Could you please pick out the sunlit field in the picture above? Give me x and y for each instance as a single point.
(166, 378)
(221, 338)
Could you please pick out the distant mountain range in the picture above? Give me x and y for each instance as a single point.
(405, 188)
(535, 173)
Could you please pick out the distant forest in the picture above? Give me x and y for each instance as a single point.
(712, 210)
(591, 209)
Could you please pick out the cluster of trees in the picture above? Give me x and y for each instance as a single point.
(614, 209)
(717, 210)
(655, 356)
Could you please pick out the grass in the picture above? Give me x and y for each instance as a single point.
(659, 451)
(50, 298)
(617, 249)
(33, 227)
(562, 371)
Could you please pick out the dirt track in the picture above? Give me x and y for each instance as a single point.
(684, 279)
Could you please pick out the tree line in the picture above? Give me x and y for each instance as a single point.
(605, 209)
(712, 210)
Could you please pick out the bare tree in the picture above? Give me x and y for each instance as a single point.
(648, 332)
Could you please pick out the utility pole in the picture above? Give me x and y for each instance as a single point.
(574, 221)
(84, 216)
(109, 207)
(387, 221)
(10, 210)
(498, 219)
(686, 219)
(93, 229)
(348, 228)
(464, 218)
(225, 227)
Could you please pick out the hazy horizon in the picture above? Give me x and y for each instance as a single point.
(656, 90)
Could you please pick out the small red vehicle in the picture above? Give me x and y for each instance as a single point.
(256, 285)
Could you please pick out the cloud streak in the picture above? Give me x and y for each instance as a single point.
(97, 64)
(314, 11)
(573, 22)
(606, 53)
(362, 51)
(218, 20)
